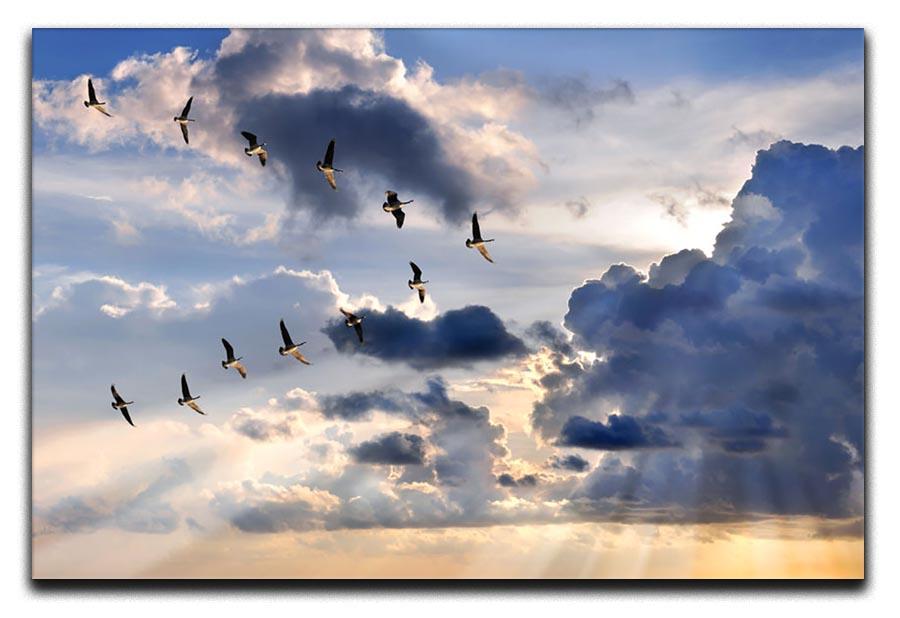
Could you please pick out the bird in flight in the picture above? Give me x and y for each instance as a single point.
(255, 148)
(354, 321)
(93, 102)
(394, 206)
(230, 361)
(186, 399)
(120, 404)
(327, 166)
(290, 347)
(416, 283)
(183, 119)
(477, 241)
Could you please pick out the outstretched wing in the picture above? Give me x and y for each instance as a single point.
(193, 405)
(229, 351)
(262, 158)
(249, 137)
(347, 314)
(184, 132)
(329, 176)
(116, 395)
(92, 96)
(187, 108)
(421, 296)
(476, 230)
(241, 370)
(358, 328)
(285, 335)
(185, 392)
(329, 154)
(400, 216)
(417, 272)
(296, 354)
(483, 250)
(126, 415)
(102, 111)
(391, 197)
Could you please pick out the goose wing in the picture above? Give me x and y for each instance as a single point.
(296, 354)
(329, 176)
(483, 251)
(391, 197)
(185, 391)
(193, 405)
(92, 96)
(329, 155)
(187, 108)
(116, 395)
(400, 216)
(127, 416)
(249, 137)
(262, 158)
(241, 370)
(285, 335)
(229, 351)
(417, 272)
(476, 230)
(348, 315)
(184, 132)
(102, 111)
(358, 328)
(421, 296)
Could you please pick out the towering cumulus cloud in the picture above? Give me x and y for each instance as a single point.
(739, 377)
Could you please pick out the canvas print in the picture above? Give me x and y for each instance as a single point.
(448, 303)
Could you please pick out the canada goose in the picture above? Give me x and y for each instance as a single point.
(355, 322)
(186, 398)
(119, 404)
(93, 102)
(477, 241)
(231, 361)
(327, 166)
(416, 283)
(255, 148)
(394, 206)
(183, 119)
(289, 346)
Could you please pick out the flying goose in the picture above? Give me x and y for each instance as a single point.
(290, 347)
(186, 398)
(477, 241)
(120, 404)
(231, 361)
(394, 206)
(355, 322)
(93, 102)
(417, 283)
(327, 167)
(255, 148)
(183, 119)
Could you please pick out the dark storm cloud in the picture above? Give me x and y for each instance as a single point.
(526, 480)
(393, 448)
(264, 429)
(619, 433)
(753, 356)
(145, 511)
(359, 406)
(455, 338)
(574, 463)
(375, 134)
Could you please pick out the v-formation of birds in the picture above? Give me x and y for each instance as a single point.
(392, 205)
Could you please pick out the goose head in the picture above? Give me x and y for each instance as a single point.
(180, 401)
(468, 243)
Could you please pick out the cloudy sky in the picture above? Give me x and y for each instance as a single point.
(660, 376)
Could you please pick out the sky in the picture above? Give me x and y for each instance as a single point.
(659, 376)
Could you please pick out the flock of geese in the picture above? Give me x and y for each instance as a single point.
(392, 205)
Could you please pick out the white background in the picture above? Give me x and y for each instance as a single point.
(877, 595)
